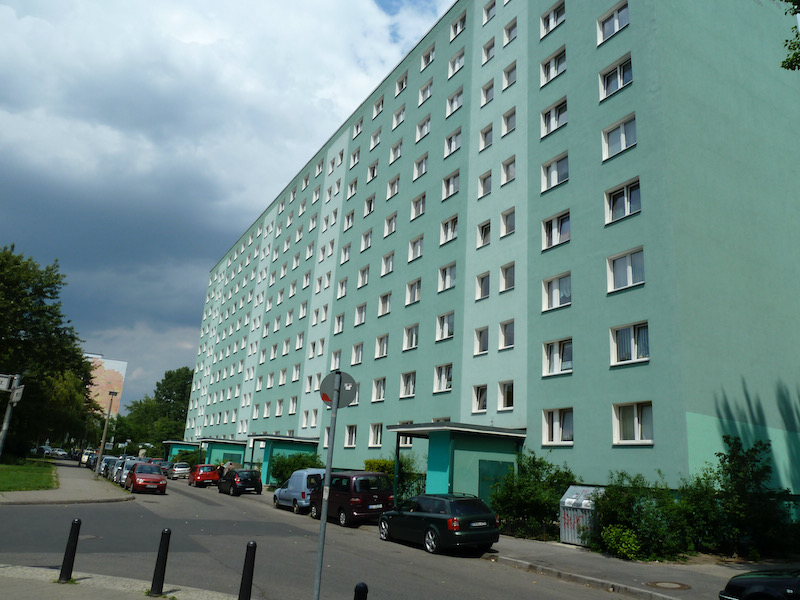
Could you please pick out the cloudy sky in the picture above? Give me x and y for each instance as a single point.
(139, 139)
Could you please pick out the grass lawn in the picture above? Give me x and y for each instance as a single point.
(33, 475)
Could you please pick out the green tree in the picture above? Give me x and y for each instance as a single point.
(37, 341)
(792, 61)
(283, 465)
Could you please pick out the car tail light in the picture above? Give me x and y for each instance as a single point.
(355, 500)
(238, 480)
(303, 495)
(497, 521)
(391, 498)
(453, 524)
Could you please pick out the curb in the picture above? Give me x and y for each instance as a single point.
(592, 582)
(86, 501)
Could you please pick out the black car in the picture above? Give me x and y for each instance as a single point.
(782, 583)
(439, 521)
(236, 481)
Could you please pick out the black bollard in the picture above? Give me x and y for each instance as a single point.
(157, 588)
(69, 554)
(246, 587)
(361, 591)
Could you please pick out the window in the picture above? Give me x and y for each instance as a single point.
(623, 202)
(619, 137)
(445, 325)
(361, 314)
(558, 357)
(366, 240)
(553, 66)
(377, 108)
(487, 93)
(506, 335)
(450, 185)
(626, 270)
(352, 188)
(357, 127)
(456, 63)
(372, 171)
(399, 116)
(341, 289)
(375, 139)
(458, 26)
(415, 248)
(379, 389)
(510, 75)
(369, 205)
(423, 128)
(425, 92)
(411, 337)
(382, 346)
(481, 340)
(338, 325)
(375, 433)
(630, 343)
(393, 187)
(616, 77)
(486, 138)
(479, 398)
(507, 277)
(553, 18)
(345, 253)
(455, 101)
(408, 384)
(557, 426)
(447, 277)
(509, 121)
(510, 32)
(485, 184)
(427, 57)
(452, 142)
(443, 378)
(484, 234)
(507, 222)
(385, 304)
(421, 166)
(611, 23)
(418, 207)
(292, 405)
(555, 172)
(449, 230)
(279, 408)
(509, 171)
(488, 51)
(387, 264)
(633, 423)
(350, 436)
(554, 117)
(489, 11)
(555, 231)
(348, 220)
(557, 292)
(358, 354)
(336, 360)
(390, 225)
(506, 395)
(401, 84)
(354, 158)
(482, 283)
(413, 291)
(396, 152)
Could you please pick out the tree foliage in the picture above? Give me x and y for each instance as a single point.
(283, 465)
(792, 61)
(411, 482)
(37, 341)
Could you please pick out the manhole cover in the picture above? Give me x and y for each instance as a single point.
(669, 585)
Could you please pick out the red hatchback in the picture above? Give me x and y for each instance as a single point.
(145, 477)
(202, 475)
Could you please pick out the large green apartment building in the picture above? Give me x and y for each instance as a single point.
(567, 227)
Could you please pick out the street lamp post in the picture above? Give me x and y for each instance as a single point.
(111, 395)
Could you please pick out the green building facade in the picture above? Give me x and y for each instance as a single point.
(566, 227)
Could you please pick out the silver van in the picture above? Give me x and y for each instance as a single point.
(296, 491)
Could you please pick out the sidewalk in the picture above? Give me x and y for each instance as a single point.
(695, 580)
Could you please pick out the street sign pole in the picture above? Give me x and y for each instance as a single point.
(323, 517)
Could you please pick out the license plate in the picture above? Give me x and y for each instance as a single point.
(150, 485)
(374, 506)
(479, 523)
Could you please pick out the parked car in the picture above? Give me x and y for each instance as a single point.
(439, 521)
(296, 491)
(126, 468)
(106, 464)
(115, 470)
(144, 476)
(165, 467)
(202, 475)
(178, 470)
(58, 453)
(85, 455)
(764, 585)
(354, 496)
(91, 461)
(237, 481)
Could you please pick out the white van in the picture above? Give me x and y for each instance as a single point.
(296, 491)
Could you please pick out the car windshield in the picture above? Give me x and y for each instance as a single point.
(247, 474)
(371, 484)
(206, 469)
(146, 468)
(180, 466)
(469, 506)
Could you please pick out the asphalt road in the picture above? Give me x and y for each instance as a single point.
(210, 532)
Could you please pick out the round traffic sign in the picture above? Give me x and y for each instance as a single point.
(347, 389)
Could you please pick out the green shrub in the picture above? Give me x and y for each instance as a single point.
(283, 465)
(411, 481)
(527, 499)
(621, 541)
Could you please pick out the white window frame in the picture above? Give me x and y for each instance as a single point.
(455, 101)
(401, 84)
(553, 362)
(510, 32)
(425, 92)
(510, 75)
(360, 315)
(484, 231)
(411, 337)
(638, 348)
(375, 435)
(350, 436)
(457, 26)
(487, 93)
(385, 304)
(421, 166)
(626, 130)
(485, 184)
(552, 297)
(375, 139)
(508, 171)
(413, 291)
(357, 355)
(509, 122)
(448, 230)
(624, 194)
(558, 426)
(556, 230)
(483, 285)
(417, 207)
(408, 384)
(503, 403)
(618, 17)
(630, 262)
(506, 339)
(387, 264)
(452, 142)
(456, 63)
(399, 116)
(480, 398)
(427, 57)
(481, 339)
(507, 282)
(423, 127)
(445, 326)
(641, 414)
(508, 222)
(553, 66)
(552, 18)
(486, 138)
(489, 11)
(415, 248)
(379, 389)
(382, 346)
(555, 172)
(616, 74)
(443, 378)
(390, 225)
(451, 185)
(554, 117)
(488, 51)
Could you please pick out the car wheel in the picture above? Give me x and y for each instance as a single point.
(232, 491)
(219, 489)
(484, 548)
(383, 530)
(314, 512)
(344, 521)
(258, 492)
(431, 541)
(295, 508)
(275, 501)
